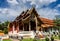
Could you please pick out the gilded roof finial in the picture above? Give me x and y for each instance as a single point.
(33, 7)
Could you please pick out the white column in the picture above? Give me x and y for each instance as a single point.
(13, 28)
(29, 26)
(23, 26)
(18, 28)
(36, 22)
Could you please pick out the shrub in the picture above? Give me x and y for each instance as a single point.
(34, 40)
(52, 38)
(46, 39)
(5, 30)
(59, 36)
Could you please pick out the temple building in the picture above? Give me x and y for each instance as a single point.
(30, 20)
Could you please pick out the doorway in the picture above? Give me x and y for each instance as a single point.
(26, 27)
(33, 25)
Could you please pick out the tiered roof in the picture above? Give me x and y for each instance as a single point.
(26, 14)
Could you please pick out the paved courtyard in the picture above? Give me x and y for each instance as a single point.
(57, 40)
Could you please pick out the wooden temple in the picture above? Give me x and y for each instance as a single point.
(29, 20)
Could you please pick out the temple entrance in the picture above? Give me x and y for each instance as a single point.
(21, 28)
(33, 25)
(26, 27)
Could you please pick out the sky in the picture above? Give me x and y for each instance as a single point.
(10, 9)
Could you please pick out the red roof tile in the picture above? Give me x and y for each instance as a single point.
(47, 21)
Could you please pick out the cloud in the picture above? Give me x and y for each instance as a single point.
(17, 6)
(48, 13)
(58, 5)
(39, 3)
(13, 11)
(44, 12)
(3, 10)
(12, 2)
(8, 14)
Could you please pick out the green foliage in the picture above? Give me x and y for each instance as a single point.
(27, 39)
(34, 39)
(5, 30)
(57, 24)
(56, 37)
(30, 39)
(7, 40)
(59, 36)
(46, 39)
(3, 27)
(52, 38)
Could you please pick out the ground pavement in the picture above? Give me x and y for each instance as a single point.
(57, 40)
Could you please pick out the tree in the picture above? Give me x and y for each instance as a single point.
(5, 30)
(3, 26)
(6, 23)
(57, 24)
